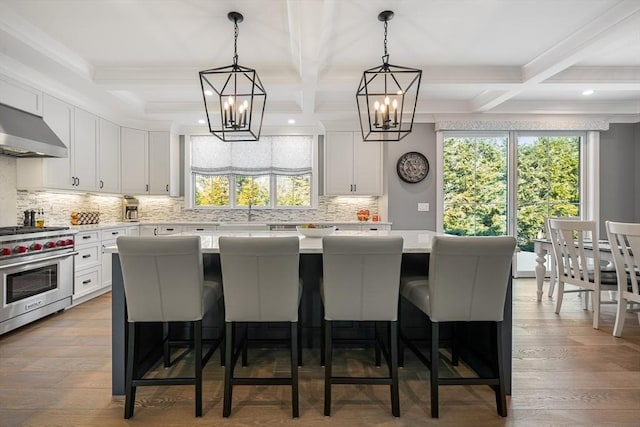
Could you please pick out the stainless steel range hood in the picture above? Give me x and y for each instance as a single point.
(26, 135)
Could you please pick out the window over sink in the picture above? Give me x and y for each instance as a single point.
(276, 172)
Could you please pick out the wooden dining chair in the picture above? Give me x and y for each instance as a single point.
(577, 254)
(624, 239)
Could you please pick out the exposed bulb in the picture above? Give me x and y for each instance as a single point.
(386, 100)
(395, 104)
(226, 106)
(231, 100)
(382, 108)
(246, 104)
(376, 105)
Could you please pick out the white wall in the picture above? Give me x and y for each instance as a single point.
(402, 197)
(618, 173)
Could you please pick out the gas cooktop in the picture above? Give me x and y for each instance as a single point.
(10, 231)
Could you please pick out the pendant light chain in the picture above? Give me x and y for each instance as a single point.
(385, 58)
(235, 42)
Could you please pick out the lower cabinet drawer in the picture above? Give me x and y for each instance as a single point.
(86, 282)
(87, 256)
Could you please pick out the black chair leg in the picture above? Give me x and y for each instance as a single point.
(245, 345)
(223, 339)
(299, 329)
(327, 367)
(130, 390)
(228, 369)
(197, 338)
(400, 343)
(393, 349)
(435, 363)
(294, 369)
(501, 399)
(376, 333)
(322, 335)
(165, 344)
(455, 346)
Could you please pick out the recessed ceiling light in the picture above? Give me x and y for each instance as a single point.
(588, 92)
(291, 122)
(202, 121)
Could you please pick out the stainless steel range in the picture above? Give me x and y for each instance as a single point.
(36, 273)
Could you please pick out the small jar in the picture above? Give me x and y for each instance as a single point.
(375, 217)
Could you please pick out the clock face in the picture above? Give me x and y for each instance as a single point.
(412, 167)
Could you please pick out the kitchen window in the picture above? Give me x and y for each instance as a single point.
(276, 172)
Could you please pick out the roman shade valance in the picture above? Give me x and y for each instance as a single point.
(278, 155)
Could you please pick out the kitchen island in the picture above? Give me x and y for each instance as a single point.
(475, 339)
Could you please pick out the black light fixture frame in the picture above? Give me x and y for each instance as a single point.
(239, 83)
(381, 81)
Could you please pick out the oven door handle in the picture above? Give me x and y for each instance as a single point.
(33, 261)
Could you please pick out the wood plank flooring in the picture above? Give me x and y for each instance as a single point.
(57, 372)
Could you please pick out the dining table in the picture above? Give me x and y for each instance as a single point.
(476, 346)
(544, 248)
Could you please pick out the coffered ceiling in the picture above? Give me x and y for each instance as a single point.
(140, 59)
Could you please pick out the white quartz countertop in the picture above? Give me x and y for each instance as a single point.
(415, 241)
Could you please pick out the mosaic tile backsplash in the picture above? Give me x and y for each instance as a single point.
(58, 208)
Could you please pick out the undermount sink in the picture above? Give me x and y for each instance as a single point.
(243, 226)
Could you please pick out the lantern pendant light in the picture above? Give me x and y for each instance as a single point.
(234, 98)
(387, 97)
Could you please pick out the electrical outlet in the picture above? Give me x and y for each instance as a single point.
(423, 207)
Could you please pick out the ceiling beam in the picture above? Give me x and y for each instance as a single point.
(587, 40)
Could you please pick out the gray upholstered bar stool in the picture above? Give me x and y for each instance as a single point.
(261, 284)
(163, 282)
(361, 277)
(468, 280)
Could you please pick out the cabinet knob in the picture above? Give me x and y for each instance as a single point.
(101, 184)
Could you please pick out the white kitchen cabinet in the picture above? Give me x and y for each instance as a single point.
(164, 178)
(53, 173)
(108, 238)
(352, 167)
(20, 96)
(167, 230)
(134, 155)
(84, 157)
(148, 230)
(87, 266)
(109, 157)
(199, 229)
(150, 162)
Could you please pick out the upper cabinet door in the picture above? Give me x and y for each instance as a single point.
(352, 166)
(85, 150)
(338, 173)
(367, 167)
(134, 161)
(109, 157)
(59, 116)
(159, 164)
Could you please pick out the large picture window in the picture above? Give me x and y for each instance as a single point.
(509, 182)
(275, 172)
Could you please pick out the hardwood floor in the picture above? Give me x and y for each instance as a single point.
(57, 372)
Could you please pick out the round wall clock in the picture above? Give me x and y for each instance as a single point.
(412, 167)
